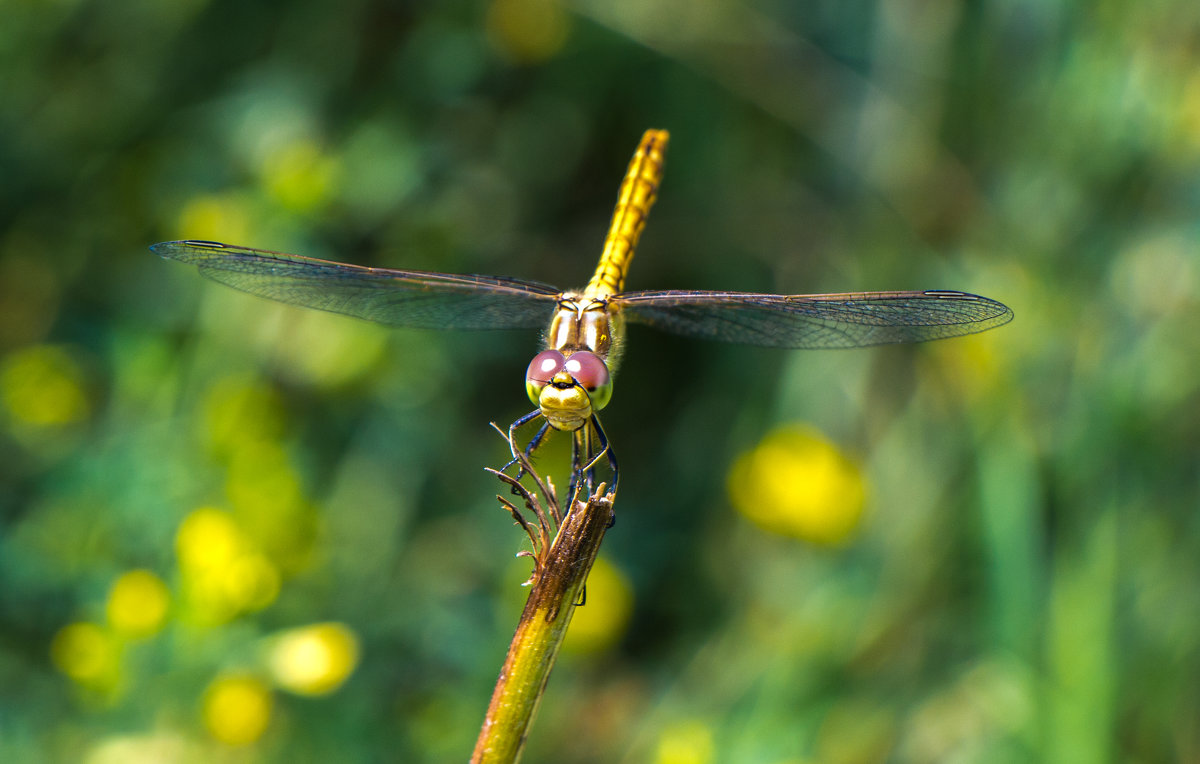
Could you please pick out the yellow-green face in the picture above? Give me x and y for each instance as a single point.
(570, 380)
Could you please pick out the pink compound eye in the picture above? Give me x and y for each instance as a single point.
(541, 370)
(587, 369)
(590, 371)
(544, 366)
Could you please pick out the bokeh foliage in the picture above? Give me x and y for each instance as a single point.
(235, 530)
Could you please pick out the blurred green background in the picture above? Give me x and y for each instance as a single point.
(236, 531)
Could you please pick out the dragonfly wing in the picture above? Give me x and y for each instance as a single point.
(815, 321)
(415, 299)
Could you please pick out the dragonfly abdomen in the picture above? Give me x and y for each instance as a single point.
(638, 192)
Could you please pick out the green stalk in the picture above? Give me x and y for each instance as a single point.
(558, 581)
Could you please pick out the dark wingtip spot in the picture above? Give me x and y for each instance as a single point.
(163, 248)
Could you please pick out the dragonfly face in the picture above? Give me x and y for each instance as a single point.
(568, 390)
(571, 379)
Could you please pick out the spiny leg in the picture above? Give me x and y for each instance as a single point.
(605, 450)
(580, 445)
(584, 456)
(536, 440)
(583, 460)
(533, 443)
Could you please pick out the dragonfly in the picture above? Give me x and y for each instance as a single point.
(571, 379)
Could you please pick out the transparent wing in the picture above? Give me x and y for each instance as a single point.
(415, 299)
(848, 320)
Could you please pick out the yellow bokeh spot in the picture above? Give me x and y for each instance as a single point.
(164, 744)
(245, 421)
(238, 410)
(602, 620)
(688, 742)
(329, 351)
(1189, 113)
(860, 730)
(266, 495)
(137, 604)
(217, 595)
(223, 573)
(527, 31)
(252, 582)
(797, 483)
(86, 653)
(237, 709)
(970, 365)
(314, 660)
(42, 386)
(208, 538)
(262, 480)
(299, 176)
(224, 217)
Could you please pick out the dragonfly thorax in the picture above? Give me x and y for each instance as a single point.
(581, 323)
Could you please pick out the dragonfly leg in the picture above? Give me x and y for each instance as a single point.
(612, 462)
(579, 449)
(605, 450)
(533, 443)
(536, 440)
(585, 455)
(583, 462)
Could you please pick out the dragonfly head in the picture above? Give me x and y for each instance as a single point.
(568, 388)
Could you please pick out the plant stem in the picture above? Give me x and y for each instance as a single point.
(558, 584)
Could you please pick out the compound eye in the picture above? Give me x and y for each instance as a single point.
(590, 371)
(541, 370)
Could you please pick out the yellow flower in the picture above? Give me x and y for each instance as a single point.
(223, 572)
(313, 660)
(207, 538)
(237, 709)
(225, 217)
(137, 604)
(42, 387)
(268, 500)
(686, 742)
(239, 410)
(299, 175)
(86, 653)
(796, 483)
(1188, 116)
(527, 31)
(602, 619)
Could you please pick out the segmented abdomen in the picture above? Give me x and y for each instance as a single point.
(637, 195)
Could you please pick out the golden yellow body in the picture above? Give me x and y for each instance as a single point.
(588, 321)
(638, 193)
